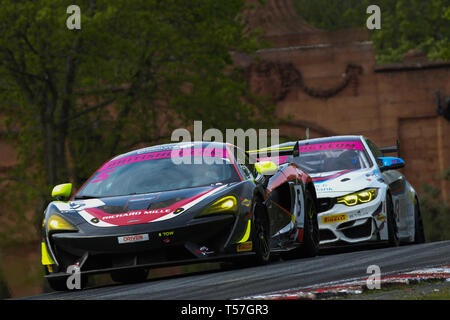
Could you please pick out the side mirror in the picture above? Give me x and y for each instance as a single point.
(62, 192)
(391, 163)
(266, 168)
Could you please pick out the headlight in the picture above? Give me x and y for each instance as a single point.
(359, 197)
(226, 204)
(58, 223)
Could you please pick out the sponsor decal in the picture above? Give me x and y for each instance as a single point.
(323, 188)
(335, 218)
(356, 145)
(104, 219)
(135, 213)
(245, 202)
(166, 234)
(133, 238)
(245, 246)
(333, 176)
(208, 152)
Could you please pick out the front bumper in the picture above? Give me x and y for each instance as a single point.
(202, 239)
(349, 225)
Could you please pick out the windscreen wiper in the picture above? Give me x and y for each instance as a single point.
(84, 197)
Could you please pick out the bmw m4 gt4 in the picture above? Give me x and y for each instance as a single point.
(362, 197)
(177, 204)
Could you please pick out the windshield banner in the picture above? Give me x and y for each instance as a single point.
(356, 145)
(175, 153)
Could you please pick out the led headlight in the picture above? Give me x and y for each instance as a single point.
(227, 204)
(58, 223)
(358, 197)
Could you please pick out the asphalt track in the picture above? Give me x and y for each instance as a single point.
(237, 283)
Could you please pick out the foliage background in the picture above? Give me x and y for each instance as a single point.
(137, 69)
(405, 24)
(69, 100)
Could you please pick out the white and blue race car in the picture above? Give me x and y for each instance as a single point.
(362, 197)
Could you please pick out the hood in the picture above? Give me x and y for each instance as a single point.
(140, 208)
(339, 183)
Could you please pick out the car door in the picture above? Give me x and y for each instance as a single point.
(397, 186)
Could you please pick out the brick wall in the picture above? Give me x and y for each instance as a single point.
(305, 72)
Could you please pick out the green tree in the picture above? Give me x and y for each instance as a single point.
(135, 70)
(405, 24)
(435, 212)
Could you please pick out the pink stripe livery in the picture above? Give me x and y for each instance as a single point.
(356, 145)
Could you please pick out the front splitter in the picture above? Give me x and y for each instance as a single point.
(224, 257)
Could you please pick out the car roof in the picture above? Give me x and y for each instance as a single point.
(319, 140)
(171, 146)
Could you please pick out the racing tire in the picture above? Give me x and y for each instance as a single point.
(419, 233)
(311, 238)
(393, 239)
(261, 235)
(129, 276)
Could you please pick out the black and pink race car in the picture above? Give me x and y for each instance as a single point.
(178, 204)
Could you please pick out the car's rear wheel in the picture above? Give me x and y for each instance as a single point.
(419, 233)
(129, 276)
(393, 238)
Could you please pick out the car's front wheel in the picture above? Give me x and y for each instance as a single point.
(393, 238)
(261, 234)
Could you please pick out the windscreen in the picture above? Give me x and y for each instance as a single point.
(327, 157)
(158, 171)
(332, 156)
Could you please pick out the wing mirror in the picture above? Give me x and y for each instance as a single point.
(266, 168)
(62, 192)
(391, 163)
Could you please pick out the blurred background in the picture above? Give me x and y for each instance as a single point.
(138, 69)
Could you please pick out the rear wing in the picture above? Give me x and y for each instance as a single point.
(392, 149)
(275, 151)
